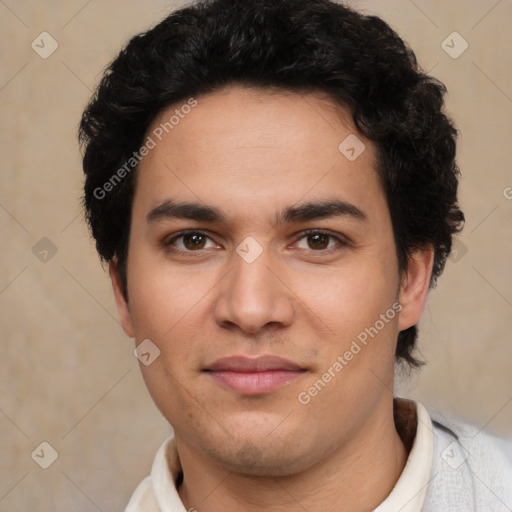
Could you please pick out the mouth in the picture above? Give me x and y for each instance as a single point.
(254, 376)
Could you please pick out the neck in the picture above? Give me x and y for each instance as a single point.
(353, 478)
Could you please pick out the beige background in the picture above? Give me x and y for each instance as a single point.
(67, 372)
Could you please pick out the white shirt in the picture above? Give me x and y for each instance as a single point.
(158, 493)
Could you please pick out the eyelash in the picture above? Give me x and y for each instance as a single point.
(341, 242)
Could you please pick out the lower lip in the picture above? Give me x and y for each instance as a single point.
(255, 383)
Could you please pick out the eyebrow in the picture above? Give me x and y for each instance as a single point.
(319, 210)
(312, 210)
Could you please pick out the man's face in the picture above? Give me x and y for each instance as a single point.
(267, 280)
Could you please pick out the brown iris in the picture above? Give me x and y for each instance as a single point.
(318, 241)
(194, 241)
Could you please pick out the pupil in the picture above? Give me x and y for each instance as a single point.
(319, 240)
(194, 240)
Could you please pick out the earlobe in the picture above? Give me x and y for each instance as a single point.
(121, 302)
(414, 287)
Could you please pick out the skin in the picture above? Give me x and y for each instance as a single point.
(251, 153)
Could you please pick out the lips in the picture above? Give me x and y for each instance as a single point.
(254, 376)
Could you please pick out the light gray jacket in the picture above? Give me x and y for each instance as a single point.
(471, 470)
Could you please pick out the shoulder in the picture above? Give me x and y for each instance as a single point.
(480, 446)
(471, 469)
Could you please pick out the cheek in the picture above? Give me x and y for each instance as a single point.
(162, 296)
(166, 309)
(170, 306)
(347, 301)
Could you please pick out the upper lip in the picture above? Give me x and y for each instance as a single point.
(253, 364)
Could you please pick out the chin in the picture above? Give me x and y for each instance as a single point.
(265, 458)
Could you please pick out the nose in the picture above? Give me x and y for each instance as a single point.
(254, 296)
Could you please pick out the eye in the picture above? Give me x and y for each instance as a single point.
(189, 241)
(319, 241)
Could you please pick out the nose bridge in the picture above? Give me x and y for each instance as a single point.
(252, 296)
(250, 276)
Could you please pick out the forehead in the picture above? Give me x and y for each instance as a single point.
(241, 147)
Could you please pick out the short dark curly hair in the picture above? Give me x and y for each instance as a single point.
(291, 45)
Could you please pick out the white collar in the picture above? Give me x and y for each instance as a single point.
(409, 492)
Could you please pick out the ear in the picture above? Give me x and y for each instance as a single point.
(122, 305)
(414, 286)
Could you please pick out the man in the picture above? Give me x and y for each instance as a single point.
(274, 186)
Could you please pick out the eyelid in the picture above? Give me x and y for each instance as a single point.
(318, 231)
(342, 240)
(167, 241)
